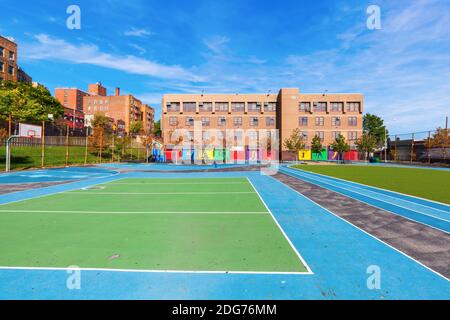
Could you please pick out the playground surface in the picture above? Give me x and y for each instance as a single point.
(206, 235)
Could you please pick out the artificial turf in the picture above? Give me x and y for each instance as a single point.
(122, 225)
(424, 183)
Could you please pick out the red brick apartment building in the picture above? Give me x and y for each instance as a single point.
(122, 109)
(325, 115)
(72, 100)
(125, 109)
(9, 70)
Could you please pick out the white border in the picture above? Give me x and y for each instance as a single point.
(166, 271)
(372, 236)
(282, 231)
(361, 189)
(154, 271)
(387, 210)
(366, 185)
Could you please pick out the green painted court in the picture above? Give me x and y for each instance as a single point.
(210, 224)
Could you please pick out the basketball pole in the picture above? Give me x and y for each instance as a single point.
(8, 153)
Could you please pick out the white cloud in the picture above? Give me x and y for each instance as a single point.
(216, 44)
(135, 32)
(140, 49)
(48, 48)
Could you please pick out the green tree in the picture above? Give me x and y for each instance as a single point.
(367, 144)
(157, 129)
(136, 127)
(316, 144)
(374, 126)
(23, 102)
(340, 146)
(295, 142)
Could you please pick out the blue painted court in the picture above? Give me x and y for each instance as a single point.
(337, 253)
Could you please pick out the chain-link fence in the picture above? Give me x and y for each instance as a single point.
(59, 148)
(427, 147)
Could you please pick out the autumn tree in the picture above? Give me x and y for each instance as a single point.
(101, 129)
(295, 142)
(340, 146)
(441, 140)
(366, 144)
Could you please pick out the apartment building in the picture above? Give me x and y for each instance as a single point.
(72, 100)
(9, 69)
(325, 115)
(124, 109)
(8, 59)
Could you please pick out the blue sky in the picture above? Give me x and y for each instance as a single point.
(153, 47)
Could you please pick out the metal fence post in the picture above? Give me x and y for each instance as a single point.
(86, 146)
(67, 145)
(43, 145)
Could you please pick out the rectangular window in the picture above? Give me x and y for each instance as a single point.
(253, 135)
(221, 121)
(238, 106)
(206, 135)
(237, 121)
(221, 106)
(189, 121)
(205, 121)
(304, 135)
(173, 121)
(11, 55)
(319, 121)
(270, 106)
(352, 121)
(352, 135)
(336, 121)
(205, 107)
(2, 67)
(337, 106)
(320, 134)
(189, 107)
(335, 134)
(2, 52)
(303, 121)
(270, 121)
(320, 107)
(173, 107)
(11, 70)
(254, 107)
(304, 107)
(353, 106)
(254, 121)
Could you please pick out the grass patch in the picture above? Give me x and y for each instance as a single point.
(429, 184)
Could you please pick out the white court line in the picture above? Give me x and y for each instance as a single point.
(372, 205)
(282, 231)
(299, 176)
(155, 271)
(158, 193)
(348, 183)
(181, 183)
(356, 227)
(366, 185)
(139, 212)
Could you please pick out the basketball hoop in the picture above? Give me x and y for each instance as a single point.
(31, 133)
